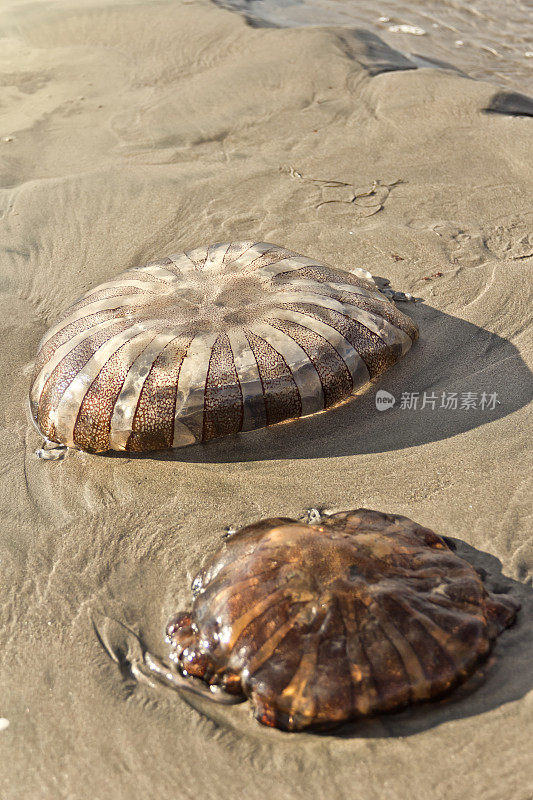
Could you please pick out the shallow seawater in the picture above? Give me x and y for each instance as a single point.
(486, 39)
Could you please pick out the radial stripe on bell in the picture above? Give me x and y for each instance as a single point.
(153, 423)
(281, 396)
(190, 397)
(215, 255)
(254, 412)
(302, 370)
(128, 399)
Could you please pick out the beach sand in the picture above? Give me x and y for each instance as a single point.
(139, 129)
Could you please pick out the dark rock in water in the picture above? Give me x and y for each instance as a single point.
(514, 104)
(357, 614)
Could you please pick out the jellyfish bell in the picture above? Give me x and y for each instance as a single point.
(318, 624)
(209, 343)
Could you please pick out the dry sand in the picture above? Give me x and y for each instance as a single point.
(141, 129)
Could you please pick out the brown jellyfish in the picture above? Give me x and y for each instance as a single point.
(318, 624)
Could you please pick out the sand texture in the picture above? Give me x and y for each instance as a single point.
(138, 129)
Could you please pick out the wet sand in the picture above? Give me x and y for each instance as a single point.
(129, 131)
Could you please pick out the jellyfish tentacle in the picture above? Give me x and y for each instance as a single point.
(153, 667)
